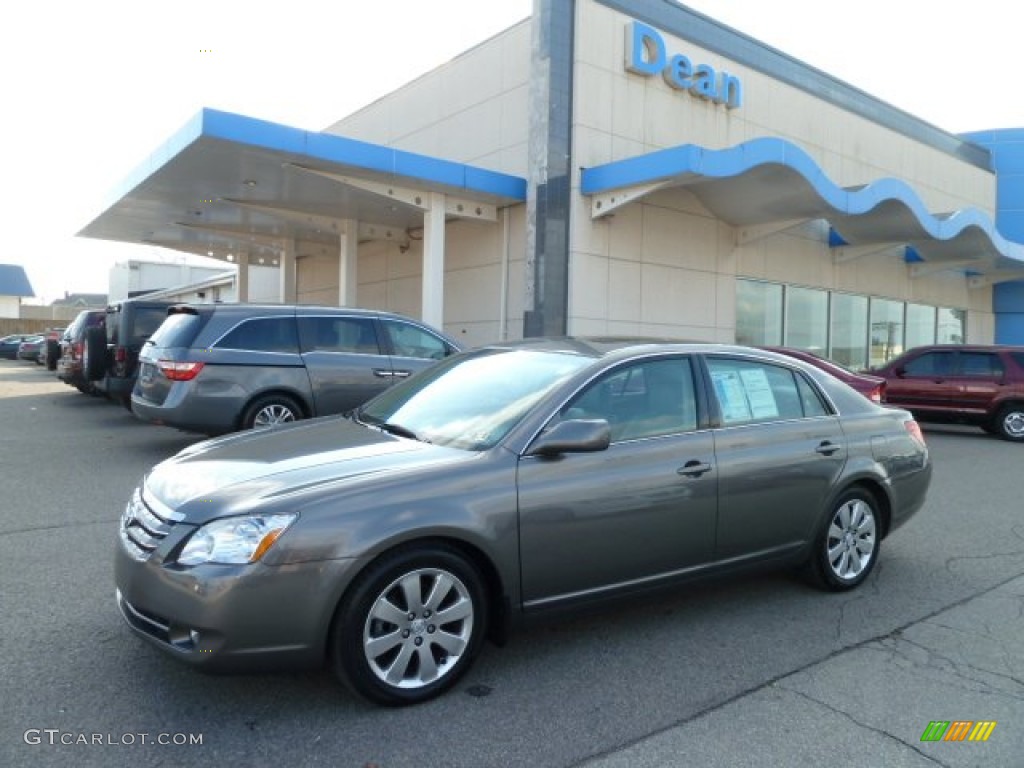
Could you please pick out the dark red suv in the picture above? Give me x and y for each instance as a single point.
(971, 384)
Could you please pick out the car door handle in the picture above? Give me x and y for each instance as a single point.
(694, 468)
(381, 373)
(401, 374)
(827, 448)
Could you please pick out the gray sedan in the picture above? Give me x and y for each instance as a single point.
(502, 483)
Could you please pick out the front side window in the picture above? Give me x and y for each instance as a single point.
(644, 399)
(930, 364)
(263, 334)
(750, 391)
(407, 340)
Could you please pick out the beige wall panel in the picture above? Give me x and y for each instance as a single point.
(588, 286)
(468, 110)
(625, 293)
(589, 235)
(676, 296)
(472, 294)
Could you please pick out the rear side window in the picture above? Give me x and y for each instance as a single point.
(408, 340)
(749, 391)
(178, 330)
(263, 334)
(352, 335)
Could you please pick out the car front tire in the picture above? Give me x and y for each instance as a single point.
(846, 548)
(410, 626)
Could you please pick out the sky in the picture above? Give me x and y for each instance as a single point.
(91, 89)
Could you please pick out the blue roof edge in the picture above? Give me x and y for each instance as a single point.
(342, 150)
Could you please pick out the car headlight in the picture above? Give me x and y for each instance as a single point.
(234, 540)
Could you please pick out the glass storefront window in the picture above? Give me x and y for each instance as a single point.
(807, 319)
(920, 325)
(952, 326)
(849, 330)
(758, 313)
(886, 331)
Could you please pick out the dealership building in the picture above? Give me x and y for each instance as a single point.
(613, 167)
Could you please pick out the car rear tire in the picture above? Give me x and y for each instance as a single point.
(270, 411)
(410, 626)
(846, 548)
(1009, 423)
(94, 353)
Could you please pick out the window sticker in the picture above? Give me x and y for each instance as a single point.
(759, 394)
(745, 395)
(730, 393)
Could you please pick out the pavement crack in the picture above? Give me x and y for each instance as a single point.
(989, 556)
(866, 726)
(56, 527)
(892, 635)
(1005, 676)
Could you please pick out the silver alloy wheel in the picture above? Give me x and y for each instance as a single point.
(851, 539)
(418, 628)
(1013, 423)
(271, 414)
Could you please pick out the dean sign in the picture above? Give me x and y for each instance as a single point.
(647, 55)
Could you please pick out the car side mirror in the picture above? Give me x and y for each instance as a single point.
(899, 371)
(573, 436)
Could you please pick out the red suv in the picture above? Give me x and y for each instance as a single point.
(972, 384)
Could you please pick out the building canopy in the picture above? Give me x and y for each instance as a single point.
(227, 184)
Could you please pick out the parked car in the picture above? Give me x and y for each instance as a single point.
(9, 345)
(872, 387)
(29, 348)
(72, 348)
(216, 368)
(500, 483)
(974, 384)
(111, 351)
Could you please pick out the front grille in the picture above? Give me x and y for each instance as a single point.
(143, 527)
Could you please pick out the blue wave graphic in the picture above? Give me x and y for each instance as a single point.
(809, 191)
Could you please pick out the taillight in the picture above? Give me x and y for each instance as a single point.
(875, 395)
(120, 355)
(76, 350)
(176, 371)
(914, 430)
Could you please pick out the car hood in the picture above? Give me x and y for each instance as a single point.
(230, 474)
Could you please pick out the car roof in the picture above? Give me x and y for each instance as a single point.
(624, 346)
(244, 308)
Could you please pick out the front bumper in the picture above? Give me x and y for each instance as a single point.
(223, 617)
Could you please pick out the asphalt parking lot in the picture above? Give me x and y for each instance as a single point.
(751, 672)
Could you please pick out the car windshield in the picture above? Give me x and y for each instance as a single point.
(471, 401)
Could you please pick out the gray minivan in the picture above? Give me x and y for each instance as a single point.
(216, 368)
